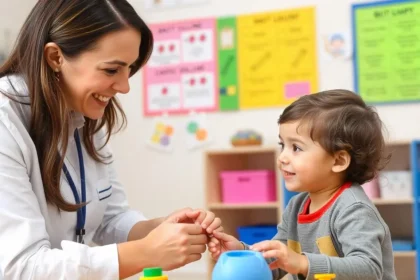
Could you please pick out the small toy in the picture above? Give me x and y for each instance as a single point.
(246, 138)
(153, 273)
(244, 265)
(324, 276)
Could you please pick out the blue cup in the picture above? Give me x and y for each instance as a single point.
(244, 265)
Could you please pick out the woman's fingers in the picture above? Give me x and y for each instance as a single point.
(192, 258)
(208, 220)
(199, 239)
(196, 249)
(215, 224)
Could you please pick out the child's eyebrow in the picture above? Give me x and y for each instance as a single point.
(297, 140)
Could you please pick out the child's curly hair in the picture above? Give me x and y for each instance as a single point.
(340, 120)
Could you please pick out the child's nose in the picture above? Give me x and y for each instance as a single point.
(283, 158)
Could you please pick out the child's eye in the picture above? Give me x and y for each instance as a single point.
(296, 148)
(281, 144)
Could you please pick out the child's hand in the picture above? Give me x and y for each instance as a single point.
(287, 259)
(222, 242)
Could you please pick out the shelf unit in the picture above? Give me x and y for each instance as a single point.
(399, 214)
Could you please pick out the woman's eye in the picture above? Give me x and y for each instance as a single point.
(111, 71)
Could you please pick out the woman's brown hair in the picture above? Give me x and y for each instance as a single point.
(340, 120)
(75, 26)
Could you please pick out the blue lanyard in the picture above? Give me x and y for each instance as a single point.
(81, 212)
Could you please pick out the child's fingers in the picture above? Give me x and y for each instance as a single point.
(223, 236)
(220, 228)
(215, 241)
(267, 245)
(274, 265)
(213, 249)
(273, 254)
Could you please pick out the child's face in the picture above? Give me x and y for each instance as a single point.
(305, 165)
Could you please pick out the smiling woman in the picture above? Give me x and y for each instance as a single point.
(58, 186)
(93, 78)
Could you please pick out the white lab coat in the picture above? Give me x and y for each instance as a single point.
(37, 241)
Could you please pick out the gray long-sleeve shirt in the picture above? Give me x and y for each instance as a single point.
(347, 237)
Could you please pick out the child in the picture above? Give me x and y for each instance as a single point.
(330, 144)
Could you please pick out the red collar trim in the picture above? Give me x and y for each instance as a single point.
(304, 218)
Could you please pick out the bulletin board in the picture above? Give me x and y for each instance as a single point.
(232, 63)
(180, 76)
(277, 57)
(387, 51)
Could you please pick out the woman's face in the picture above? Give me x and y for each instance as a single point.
(90, 80)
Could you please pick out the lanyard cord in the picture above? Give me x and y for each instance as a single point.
(81, 212)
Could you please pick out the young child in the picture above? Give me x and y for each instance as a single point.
(330, 143)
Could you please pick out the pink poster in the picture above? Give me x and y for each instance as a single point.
(180, 76)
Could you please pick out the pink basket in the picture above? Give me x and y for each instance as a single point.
(248, 186)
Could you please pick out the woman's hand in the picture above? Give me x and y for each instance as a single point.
(206, 219)
(180, 216)
(172, 244)
(222, 242)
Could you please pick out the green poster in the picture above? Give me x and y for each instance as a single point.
(387, 51)
(228, 64)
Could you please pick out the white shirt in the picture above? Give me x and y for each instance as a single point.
(36, 240)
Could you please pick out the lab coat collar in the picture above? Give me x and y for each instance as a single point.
(77, 120)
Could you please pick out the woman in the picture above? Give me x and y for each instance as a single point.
(58, 186)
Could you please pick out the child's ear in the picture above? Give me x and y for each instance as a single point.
(342, 161)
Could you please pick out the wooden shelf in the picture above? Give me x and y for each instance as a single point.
(405, 254)
(381, 201)
(243, 150)
(221, 206)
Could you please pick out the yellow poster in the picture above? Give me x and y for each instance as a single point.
(276, 57)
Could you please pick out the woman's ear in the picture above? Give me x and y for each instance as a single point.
(54, 56)
(342, 161)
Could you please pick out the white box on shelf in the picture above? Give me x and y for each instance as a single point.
(396, 184)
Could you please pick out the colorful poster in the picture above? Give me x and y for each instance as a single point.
(180, 75)
(277, 57)
(228, 64)
(387, 51)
